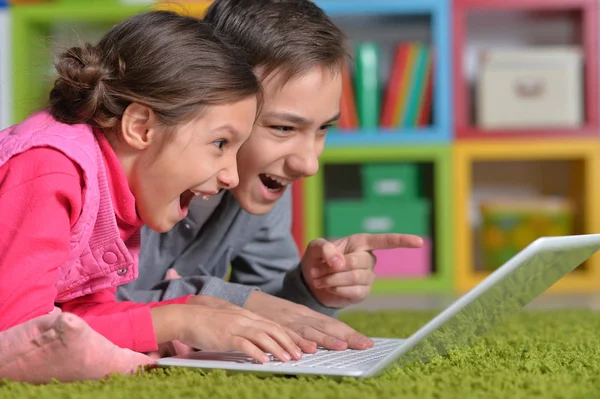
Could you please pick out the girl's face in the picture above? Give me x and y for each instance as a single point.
(167, 169)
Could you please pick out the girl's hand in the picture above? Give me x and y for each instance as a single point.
(225, 329)
(212, 302)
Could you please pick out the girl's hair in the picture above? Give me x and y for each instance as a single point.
(171, 63)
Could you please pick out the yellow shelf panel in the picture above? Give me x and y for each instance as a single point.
(191, 8)
(528, 149)
(576, 282)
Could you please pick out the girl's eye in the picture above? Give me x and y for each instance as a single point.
(220, 143)
(282, 129)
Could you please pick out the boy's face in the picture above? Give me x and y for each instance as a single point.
(288, 136)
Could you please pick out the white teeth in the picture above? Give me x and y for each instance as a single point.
(279, 180)
(197, 193)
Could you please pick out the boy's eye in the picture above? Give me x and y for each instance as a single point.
(282, 129)
(326, 128)
(220, 143)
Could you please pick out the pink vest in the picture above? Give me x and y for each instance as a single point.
(99, 257)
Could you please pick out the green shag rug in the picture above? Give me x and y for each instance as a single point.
(546, 354)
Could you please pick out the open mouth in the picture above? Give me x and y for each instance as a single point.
(185, 199)
(273, 183)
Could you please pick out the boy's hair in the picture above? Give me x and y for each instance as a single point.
(173, 64)
(287, 36)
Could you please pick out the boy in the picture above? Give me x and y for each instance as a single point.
(297, 53)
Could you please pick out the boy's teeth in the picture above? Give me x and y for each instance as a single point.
(278, 180)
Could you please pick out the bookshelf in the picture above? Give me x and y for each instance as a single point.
(583, 15)
(438, 190)
(580, 167)
(380, 15)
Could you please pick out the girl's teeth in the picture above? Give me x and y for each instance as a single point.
(204, 197)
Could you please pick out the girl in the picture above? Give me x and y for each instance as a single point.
(136, 127)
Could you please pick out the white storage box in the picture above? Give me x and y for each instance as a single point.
(539, 87)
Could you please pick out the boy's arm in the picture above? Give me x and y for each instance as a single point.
(271, 260)
(153, 283)
(237, 294)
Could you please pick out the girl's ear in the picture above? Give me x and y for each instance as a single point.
(138, 126)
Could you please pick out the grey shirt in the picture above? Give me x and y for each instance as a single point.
(218, 238)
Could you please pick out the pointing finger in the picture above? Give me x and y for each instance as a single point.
(364, 242)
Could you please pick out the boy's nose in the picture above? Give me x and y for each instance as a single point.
(304, 163)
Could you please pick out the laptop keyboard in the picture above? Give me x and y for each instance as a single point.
(349, 358)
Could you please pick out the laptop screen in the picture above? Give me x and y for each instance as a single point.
(499, 296)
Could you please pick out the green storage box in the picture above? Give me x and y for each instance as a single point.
(343, 218)
(399, 181)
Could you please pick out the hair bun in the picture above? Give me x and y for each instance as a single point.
(80, 87)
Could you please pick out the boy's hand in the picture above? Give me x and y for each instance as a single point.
(312, 328)
(340, 273)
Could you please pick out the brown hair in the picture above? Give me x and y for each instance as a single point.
(171, 63)
(288, 36)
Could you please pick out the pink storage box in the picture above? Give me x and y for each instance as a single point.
(404, 262)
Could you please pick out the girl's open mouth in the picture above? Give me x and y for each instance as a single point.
(185, 199)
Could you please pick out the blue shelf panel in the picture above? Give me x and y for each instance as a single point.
(441, 40)
(3, 3)
(379, 7)
(426, 135)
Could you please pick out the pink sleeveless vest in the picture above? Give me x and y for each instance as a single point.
(99, 257)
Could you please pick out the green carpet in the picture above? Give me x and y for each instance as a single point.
(536, 354)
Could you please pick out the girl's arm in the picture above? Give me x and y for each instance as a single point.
(40, 200)
(126, 324)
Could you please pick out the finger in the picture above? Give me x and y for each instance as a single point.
(327, 252)
(271, 338)
(305, 345)
(245, 345)
(353, 261)
(325, 330)
(346, 279)
(333, 334)
(323, 339)
(362, 242)
(352, 294)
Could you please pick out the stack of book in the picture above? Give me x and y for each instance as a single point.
(404, 102)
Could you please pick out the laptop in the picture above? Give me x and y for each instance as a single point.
(502, 294)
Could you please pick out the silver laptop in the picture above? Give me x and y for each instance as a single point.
(502, 294)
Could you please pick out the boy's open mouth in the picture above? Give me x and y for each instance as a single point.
(271, 184)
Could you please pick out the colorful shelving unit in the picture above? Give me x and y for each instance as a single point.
(5, 75)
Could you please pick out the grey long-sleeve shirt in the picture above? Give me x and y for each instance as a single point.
(259, 248)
